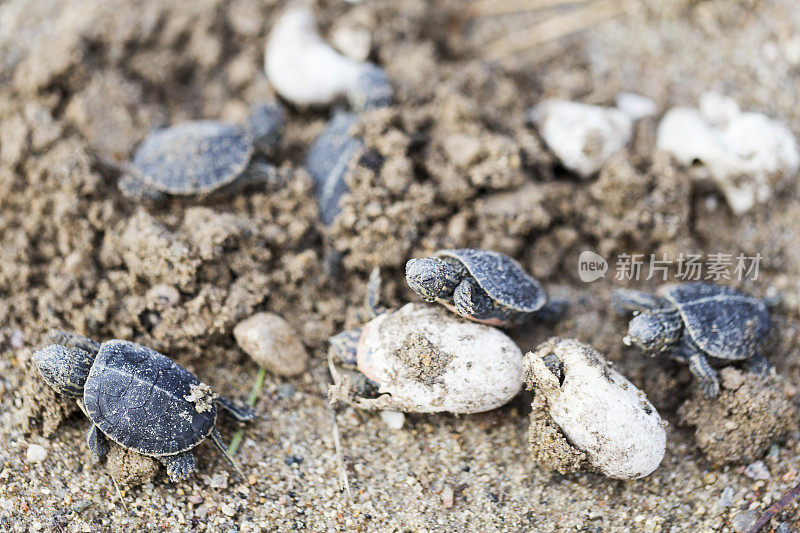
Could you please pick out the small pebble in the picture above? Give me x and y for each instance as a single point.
(36, 453)
(81, 505)
(635, 105)
(744, 521)
(353, 41)
(447, 496)
(393, 419)
(272, 343)
(219, 480)
(726, 498)
(293, 460)
(286, 391)
(162, 296)
(17, 339)
(582, 136)
(227, 510)
(195, 499)
(757, 470)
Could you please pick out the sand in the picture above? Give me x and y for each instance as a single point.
(83, 83)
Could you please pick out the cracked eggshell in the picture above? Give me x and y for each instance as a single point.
(582, 136)
(747, 155)
(425, 360)
(302, 67)
(598, 410)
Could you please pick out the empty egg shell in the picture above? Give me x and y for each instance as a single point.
(597, 409)
(425, 360)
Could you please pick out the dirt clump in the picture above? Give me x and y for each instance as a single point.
(739, 425)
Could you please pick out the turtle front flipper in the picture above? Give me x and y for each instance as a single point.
(552, 311)
(699, 367)
(97, 443)
(624, 301)
(759, 365)
(237, 413)
(470, 301)
(180, 466)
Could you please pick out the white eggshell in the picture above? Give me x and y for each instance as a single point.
(582, 136)
(598, 410)
(303, 68)
(426, 360)
(745, 154)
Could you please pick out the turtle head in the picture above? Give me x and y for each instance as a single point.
(65, 369)
(426, 277)
(266, 123)
(653, 333)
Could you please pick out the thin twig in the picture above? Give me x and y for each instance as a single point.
(483, 8)
(119, 493)
(554, 28)
(344, 482)
(337, 443)
(776, 508)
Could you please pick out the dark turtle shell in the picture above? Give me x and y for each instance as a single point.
(723, 322)
(136, 397)
(503, 279)
(194, 157)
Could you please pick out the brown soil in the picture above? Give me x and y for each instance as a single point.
(82, 84)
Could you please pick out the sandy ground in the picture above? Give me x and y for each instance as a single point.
(82, 83)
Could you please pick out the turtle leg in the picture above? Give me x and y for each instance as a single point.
(624, 301)
(699, 367)
(98, 444)
(237, 413)
(216, 438)
(471, 301)
(180, 466)
(258, 173)
(758, 365)
(552, 311)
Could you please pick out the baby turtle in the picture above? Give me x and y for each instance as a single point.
(696, 321)
(140, 399)
(481, 285)
(328, 161)
(422, 359)
(202, 156)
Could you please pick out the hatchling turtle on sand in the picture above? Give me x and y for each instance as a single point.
(200, 157)
(696, 321)
(140, 399)
(481, 285)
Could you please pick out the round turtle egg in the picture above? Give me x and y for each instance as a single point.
(425, 360)
(599, 412)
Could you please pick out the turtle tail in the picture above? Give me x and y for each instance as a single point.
(216, 438)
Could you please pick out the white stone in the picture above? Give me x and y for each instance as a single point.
(353, 41)
(598, 410)
(272, 343)
(426, 360)
(747, 155)
(582, 136)
(393, 419)
(36, 453)
(302, 67)
(635, 105)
